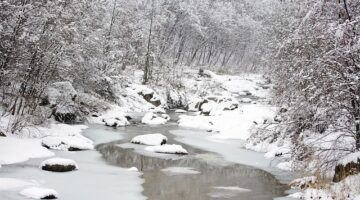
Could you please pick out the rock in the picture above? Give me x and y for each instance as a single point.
(67, 143)
(168, 149)
(150, 139)
(116, 121)
(59, 165)
(180, 111)
(39, 193)
(155, 119)
(151, 98)
(303, 183)
(343, 171)
(2, 134)
(246, 100)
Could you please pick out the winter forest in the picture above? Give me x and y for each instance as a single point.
(180, 99)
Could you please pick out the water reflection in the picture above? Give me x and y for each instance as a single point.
(159, 186)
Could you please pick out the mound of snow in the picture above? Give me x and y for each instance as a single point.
(180, 111)
(67, 143)
(246, 100)
(155, 119)
(150, 139)
(352, 157)
(15, 150)
(12, 183)
(59, 165)
(39, 193)
(116, 122)
(167, 148)
(133, 169)
(172, 171)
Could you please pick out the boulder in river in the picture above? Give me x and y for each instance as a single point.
(39, 193)
(150, 139)
(59, 165)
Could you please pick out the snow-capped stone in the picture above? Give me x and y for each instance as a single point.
(67, 143)
(154, 119)
(167, 148)
(59, 165)
(304, 182)
(133, 169)
(150, 139)
(39, 193)
(180, 111)
(116, 122)
(246, 100)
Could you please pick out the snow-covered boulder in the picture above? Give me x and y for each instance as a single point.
(67, 143)
(180, 111)
(213, 105)
(61, 97)
(167, 148)
(133, 169)
(116, 121)
(349, 165)
(158, 110)
(150, 139)
(59, 165)
(155, 119)
(149, 95)
(246, 100)
(305, 182)
(39, 193)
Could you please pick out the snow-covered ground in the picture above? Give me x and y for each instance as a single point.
(95, 179)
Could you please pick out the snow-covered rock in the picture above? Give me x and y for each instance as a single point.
(59, 165)
(116, 122)
(155, 119)
(39, 193)
(150, 139)
(180, 111)
(133, 169)
(167, 148)
(305, 182)
(67, 143)
(213, 105)
(246, 100)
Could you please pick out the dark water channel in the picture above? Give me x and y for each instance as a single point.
(217, 179)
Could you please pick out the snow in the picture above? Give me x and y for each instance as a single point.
(246, 100)
(133, 169)
(63, 137)
(96, 179)
(38, 193)
(65, 143)
(167, 148)
(155, 119)
(352, 157)
(114, 117)
(12, 183)
(235, 124)
(59, 161)
(150, 139)
(173, 171)
(180, 111)
(15, 150)
(287, 166)
(297, 195)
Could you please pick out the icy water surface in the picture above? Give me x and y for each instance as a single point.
(197, 176)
